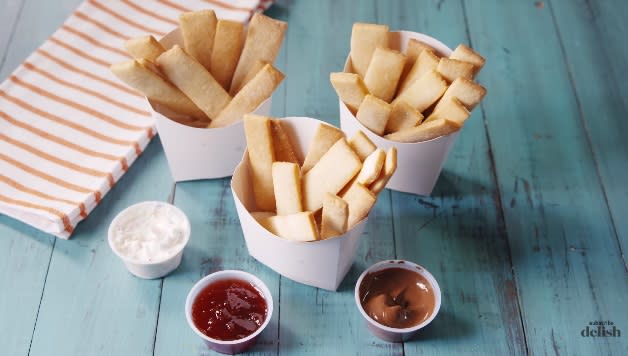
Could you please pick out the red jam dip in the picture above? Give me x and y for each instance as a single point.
(229, 309)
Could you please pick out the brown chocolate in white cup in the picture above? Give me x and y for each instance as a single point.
(397, 298)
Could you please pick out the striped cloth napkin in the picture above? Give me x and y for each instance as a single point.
(68, 128)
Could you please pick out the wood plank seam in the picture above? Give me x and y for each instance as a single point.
(284, 58)
(41, 297)
(285, 65)
(173, 192)
(278, 315)
(583, 122)
(161, 283)
(501, 220)
(392, 213)
(394, 238)
(161, 288)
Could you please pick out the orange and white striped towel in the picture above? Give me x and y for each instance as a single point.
(68, 128)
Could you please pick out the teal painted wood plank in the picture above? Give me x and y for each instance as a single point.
(568, 268)
(457, 233)
(314, 321)
(558, 233)
(440, 19)
(318, 44)
(24, 258)
(216, 244)
(8, 18)
(593, 37)
(91, 305)
(217, 249)
(24, 251)
(318, 322)
(38, 20)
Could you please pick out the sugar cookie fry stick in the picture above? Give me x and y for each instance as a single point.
(198, 29)
(254, 93)
(374, 113)
(360, 201)
(468, 92)
(253, 71)
(466, 54)
(144, 47)
(324, 138)
(365, 38)
(371, 167)
(284, 150)
(263, 41)
(426, 62)
(390, 166)
(156, 88)
(415, 47)
(403, 116)
(451, 69)
(362, 145)
(334, 216)
(259, 216)
(424, 91)
(259, 142)
(425, 131)
(299, 226)
(452, 109)
(350, 89)
(287, 187)
(332, 172)
(383, 73)
(193, 80)
(370, 171)
(228, 44)
(150, 65)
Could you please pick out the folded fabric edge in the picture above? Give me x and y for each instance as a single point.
(55, 226)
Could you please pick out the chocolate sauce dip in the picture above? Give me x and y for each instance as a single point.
(397, 297)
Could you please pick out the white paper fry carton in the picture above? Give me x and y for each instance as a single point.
(418, 164)
(321, 264)
(200, 153)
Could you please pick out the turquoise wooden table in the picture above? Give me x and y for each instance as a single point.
(525, 230)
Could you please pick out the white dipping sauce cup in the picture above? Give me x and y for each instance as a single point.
(231, 346)
(388, 333)
(156, 268)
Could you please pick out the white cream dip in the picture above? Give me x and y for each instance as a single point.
(149, 232)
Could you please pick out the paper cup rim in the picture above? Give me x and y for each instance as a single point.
(125, 211)
(382, 265)
(224, 274)
(210, 129)
(424, 37)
